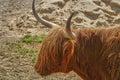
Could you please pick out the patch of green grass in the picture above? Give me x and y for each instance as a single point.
(20, 49)
(35, 38)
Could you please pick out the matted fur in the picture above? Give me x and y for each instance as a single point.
(50, 55)
(93, 55)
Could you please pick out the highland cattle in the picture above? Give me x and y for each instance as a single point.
(93, 53)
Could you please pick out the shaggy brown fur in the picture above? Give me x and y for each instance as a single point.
(93, 55)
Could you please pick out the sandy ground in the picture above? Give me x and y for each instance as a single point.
(16, 20)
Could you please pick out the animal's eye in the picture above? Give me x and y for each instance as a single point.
(66, 39)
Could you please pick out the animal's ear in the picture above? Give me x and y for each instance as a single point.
(68, 51)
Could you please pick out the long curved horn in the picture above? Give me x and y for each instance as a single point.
(40, 19)
(68, 28)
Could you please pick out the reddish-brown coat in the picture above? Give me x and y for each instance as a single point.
(93, 55)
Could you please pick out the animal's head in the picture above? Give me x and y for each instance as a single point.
(57, 48)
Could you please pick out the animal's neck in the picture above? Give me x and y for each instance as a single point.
(91, 53)
(87, 52)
